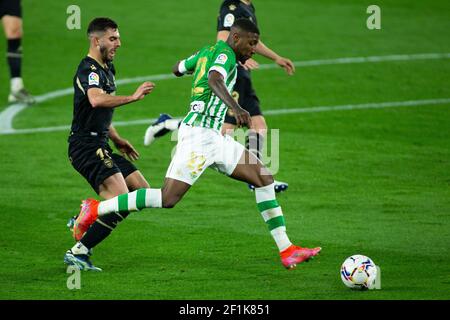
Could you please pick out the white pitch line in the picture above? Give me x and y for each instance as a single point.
(373, 105)
(8, 114)
(373, 59)
(275, 112)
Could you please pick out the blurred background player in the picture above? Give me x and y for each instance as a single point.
(11, 15)
(109, 174)
(230, 10)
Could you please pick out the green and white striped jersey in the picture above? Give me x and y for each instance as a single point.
(207, 110)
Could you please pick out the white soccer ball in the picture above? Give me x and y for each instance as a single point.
(359, 272)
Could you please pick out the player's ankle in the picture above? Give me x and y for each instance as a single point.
(79, 248)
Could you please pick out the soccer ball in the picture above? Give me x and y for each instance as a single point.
(359, 272)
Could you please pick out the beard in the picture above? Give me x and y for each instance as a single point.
(104, 53)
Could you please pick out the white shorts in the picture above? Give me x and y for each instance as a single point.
(199, 148)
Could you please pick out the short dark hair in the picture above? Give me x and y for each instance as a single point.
(246, 25)
(101, 25)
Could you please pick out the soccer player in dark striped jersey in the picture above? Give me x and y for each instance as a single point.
(108, 173)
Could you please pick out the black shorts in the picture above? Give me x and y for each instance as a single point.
(245, 94)
(95, 160)
(10, 8)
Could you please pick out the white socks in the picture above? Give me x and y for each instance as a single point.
(16, 84)
(273, 216)
(133, 201)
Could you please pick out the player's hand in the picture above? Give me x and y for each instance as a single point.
(127, 149)
(250, 64)
(242, 117)
(143, 90)
(286, 64)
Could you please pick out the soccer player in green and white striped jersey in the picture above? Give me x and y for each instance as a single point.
(201, 145)
(243, 91)
(207, 109)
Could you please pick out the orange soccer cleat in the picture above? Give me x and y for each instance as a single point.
(87, 216)
(295, 255)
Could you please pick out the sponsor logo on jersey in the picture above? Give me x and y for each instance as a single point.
(229, 20)
(197, 106)
(94, 79)
(221, 58)
(232, 7)
(93, 67)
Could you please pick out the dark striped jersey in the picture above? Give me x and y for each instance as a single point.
(86, 119)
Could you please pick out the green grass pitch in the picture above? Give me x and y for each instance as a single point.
(374, 181)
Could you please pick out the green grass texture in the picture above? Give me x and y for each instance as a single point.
(367, 181)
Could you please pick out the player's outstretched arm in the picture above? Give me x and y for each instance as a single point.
(285, 63)
(217, 85)
(100, 99)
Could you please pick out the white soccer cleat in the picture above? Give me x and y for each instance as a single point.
(21, 96)
(163, 125)
(150, 133)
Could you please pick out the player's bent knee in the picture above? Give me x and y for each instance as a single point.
(14, 31)
(14, 34)
(136, 181)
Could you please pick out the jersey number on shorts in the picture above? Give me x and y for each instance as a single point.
(101, 154)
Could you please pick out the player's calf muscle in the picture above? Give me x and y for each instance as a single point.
(266, 179)
(262, 179)
(172, 192)
(169, 200)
